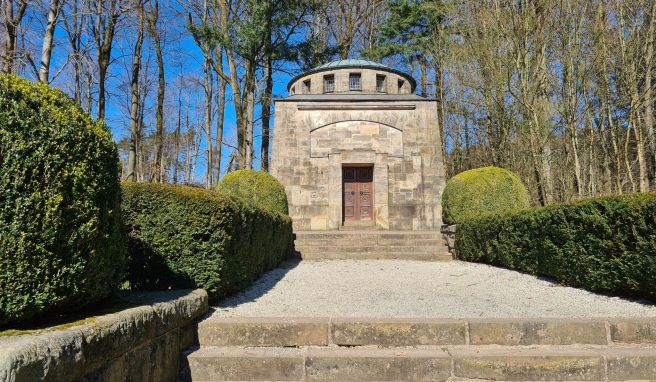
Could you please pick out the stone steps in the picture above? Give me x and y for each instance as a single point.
(367, 234)
(414, 256)
(354, 242)
(331, 349)
(622, 363)
(369, 245)
(368, 248)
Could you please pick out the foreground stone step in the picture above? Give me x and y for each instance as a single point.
(546, 363)
(297, 332)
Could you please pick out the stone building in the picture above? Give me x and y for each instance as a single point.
(355, 147)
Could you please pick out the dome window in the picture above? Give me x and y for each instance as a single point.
(329, 83)
(401, 84)
(380, 83)
(355, 82)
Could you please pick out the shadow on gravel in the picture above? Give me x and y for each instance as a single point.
(638, 300)
(259, 288)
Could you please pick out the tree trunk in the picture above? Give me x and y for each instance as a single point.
(104, 35)
(12, 22)
(220, 113)
(643, 180)
(74, 33)
(266, 112)
(159, 172)
(134, 104)
(250, 110)
(239, 106)
(46, 49)
(140, 147)
(627, 158)
(219, 128)
(190, 143)
(439, 97)
(208, 121)
(178, 128)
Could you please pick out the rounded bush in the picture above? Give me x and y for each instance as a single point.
(62, 244)
(480, 191)
(257, 187)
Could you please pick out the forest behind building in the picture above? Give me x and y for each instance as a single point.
(560, 92)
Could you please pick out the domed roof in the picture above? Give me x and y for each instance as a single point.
(355, 64)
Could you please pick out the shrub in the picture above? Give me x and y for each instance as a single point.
(185, 237)
(61, 239)
(473, 193)
(257, 187)
(605, 245)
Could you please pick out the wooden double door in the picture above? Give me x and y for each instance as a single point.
(358, 193)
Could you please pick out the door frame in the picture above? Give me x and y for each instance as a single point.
(372, 206)
(381, 179)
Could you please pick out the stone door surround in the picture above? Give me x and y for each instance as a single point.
(337, 161)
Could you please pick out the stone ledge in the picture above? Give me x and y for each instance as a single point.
(298, 331)
(156, 328)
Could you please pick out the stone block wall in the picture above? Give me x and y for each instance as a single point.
(399, 138)
(138, 344)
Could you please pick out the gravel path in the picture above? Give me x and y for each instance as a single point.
(404, 289)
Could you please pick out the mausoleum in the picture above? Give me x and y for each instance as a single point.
(354, 146)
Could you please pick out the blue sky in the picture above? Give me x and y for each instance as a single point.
(183, 62)
(182, 58)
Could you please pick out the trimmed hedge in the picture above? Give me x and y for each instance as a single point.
(61, 238)
(186, 237)
(257, 187)
(480, 191)
(606, 245)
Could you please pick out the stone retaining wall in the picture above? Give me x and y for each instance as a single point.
(142, 343)
(449, 236)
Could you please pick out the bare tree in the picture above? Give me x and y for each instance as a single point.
(46, 50)
(159, 172)
(220, 116)
(135, 134)
(103, 29)
(13, 15)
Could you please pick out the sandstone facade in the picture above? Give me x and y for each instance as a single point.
(382, 125)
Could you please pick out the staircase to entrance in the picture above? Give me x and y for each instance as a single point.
(361, 244)
(418, 324)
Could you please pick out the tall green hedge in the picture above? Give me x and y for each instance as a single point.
(185, 237)
(257, 187)
(480, 191)
(605, 245)
(61, 240)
